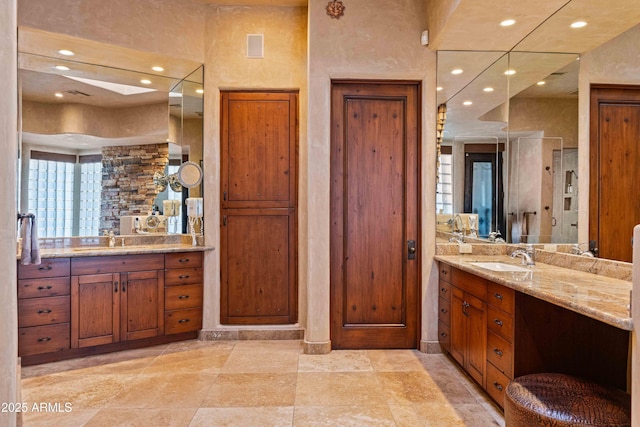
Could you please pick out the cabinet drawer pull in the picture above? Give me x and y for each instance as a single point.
(444, 272)
(183, 276)
(45, 267)
(497, 322)
(497, 351)
(443, 290)
(183, 320)
(183, 297)
(45, 311)
(115, 286)
(45, 339)
(498, 296)
(443, 310)
(443, 334)
(465, 305)
(183, 260)
(42, 288)
(497, 385)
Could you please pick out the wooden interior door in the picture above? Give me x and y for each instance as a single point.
(258, 206)
(375, 249)
(614, 206)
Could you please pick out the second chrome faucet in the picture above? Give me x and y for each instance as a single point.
(528, 255)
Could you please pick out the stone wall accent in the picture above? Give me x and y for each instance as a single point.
(127, 181)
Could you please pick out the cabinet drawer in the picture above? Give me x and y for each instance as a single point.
(470, 283)
(116, 264)
(186, 296)
(496, 384)
(43, 311)
(43, 339)
(183, 260)
(50, 267)
(444, 311)
(500, 297)
(444, 290)
(178, 321)
(444, 336)
(182, 276)
(445, 272)
(500, 323)
(51, 287)
(500, 353)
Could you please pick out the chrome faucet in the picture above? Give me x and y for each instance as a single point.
(112, 240)
(575, 250)
(528, 255)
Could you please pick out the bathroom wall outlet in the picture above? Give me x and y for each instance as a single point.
(551, 248)
(465, 248)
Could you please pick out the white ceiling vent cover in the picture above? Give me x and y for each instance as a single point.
(255, 45)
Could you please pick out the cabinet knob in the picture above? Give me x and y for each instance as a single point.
(497, 351)
(183, 276)
(497, 322)
(44, 311)
(443, 334)
(45, 267)
(498, 385)
(44, 339)
(443, 310)
(443, 290)
(183, 260)
(183, 320)
(183, 297)
(498, 296)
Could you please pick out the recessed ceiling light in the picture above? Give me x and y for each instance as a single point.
(510, 72)
(59, 95)
(61, 68)
(541, 83)
(467, 103)
(145, 81)
(199, 90)
(157, 68)
(488, 89)
(439, 88)
(507, 22)
(456, 71)
(66, 52)
(578, 24)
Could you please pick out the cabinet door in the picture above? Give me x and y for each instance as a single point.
(458, 326)
(95, 306)
(142, 304)
(476, 355)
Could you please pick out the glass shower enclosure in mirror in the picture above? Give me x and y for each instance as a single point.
(96, 128)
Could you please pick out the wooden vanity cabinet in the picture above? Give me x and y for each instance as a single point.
(43, 307)
(116, 298)
(183, 292)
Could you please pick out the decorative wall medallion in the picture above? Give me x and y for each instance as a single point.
(335, 9)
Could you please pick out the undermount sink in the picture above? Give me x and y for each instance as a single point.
(499, 266)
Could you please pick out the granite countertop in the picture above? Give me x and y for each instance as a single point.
(602, 298)
(85, 251)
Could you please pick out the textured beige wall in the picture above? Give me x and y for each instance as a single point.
(615, 62)
(226, 67)
(555, 117)
(375, 39)
(50, 119)
(8, 141)
(160, 26)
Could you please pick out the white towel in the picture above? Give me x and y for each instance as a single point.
(30, 246)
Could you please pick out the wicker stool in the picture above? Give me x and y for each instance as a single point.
(561, 400)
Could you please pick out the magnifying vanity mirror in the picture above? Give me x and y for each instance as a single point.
(101, 130)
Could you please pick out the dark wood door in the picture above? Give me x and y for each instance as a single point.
(258, 207)
(142, 304)
(375, 251)
(614, 206)
(95, 308)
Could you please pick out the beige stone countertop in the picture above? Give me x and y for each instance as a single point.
(599, 297)
(85, 251)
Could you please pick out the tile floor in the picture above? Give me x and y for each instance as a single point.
(255, 383)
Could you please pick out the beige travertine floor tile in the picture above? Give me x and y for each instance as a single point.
(275, 345)
(264, 417)
(441, 415)
(395, 360)
(164, 390)
(404, 388)
(77, 417)
(200, 360)
(336, 361)
(261, 361)
(142, 417)
(344, 416)
(82, 391)
(231, 390)
(198, 344)
(339, 388)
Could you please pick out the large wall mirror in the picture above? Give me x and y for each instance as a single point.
(97, 127)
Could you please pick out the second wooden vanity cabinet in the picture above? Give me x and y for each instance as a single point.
(116, 298)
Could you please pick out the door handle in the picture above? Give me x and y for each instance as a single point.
(411, 249)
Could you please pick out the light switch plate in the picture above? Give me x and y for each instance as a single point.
(465, 248)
